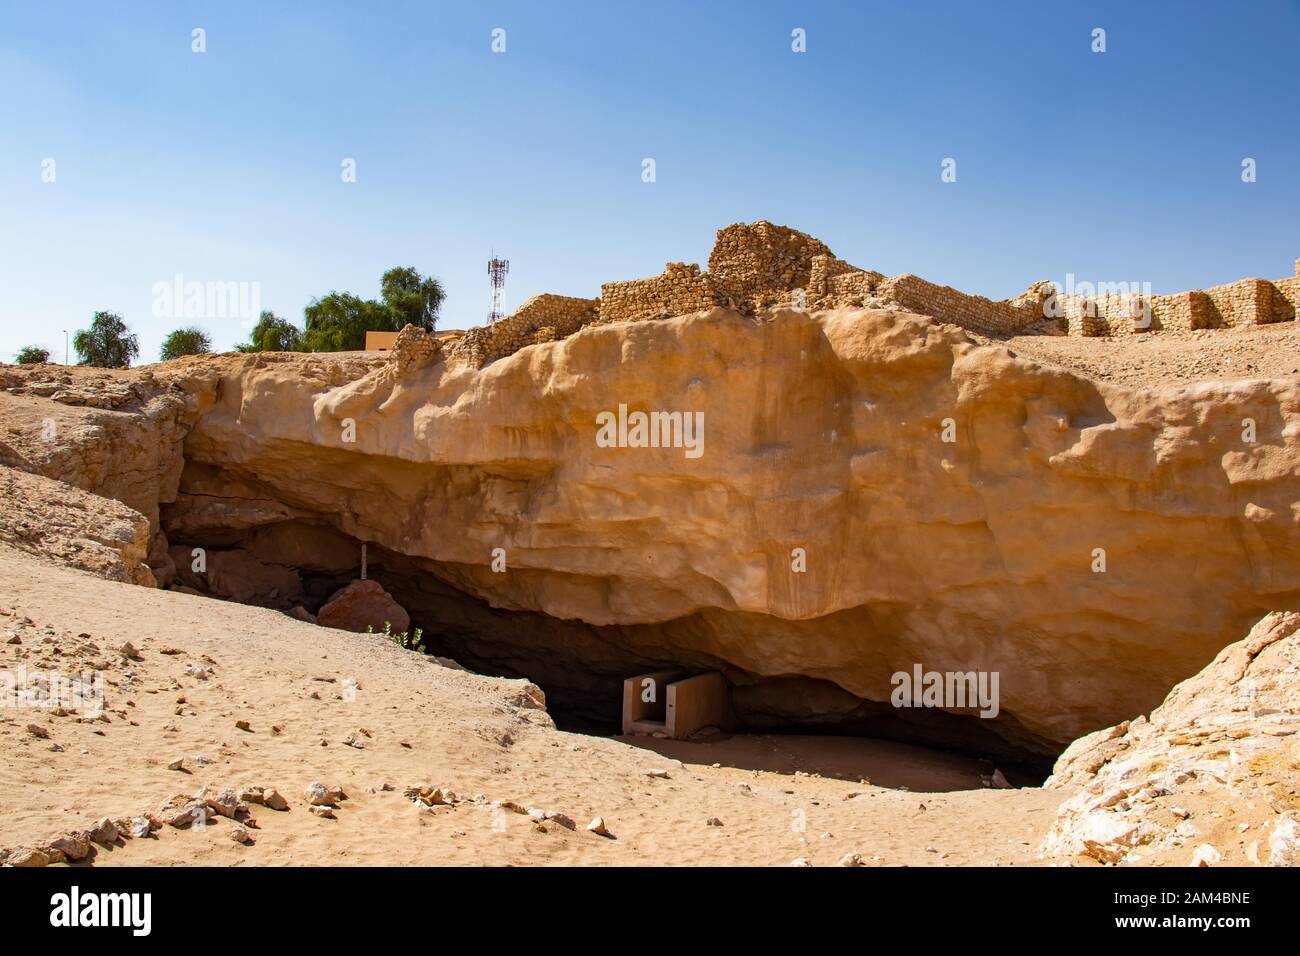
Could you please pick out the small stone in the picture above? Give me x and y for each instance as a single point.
(74, 846)
(129, 652)
(140, 827)
(658, 774)
(225, 801)
(713, 822)
(105, 832)
(14, 640)
(36, 730)
(28, 857)
(597, 826)
(177, 764)
(326, 812)
(243, 725)
(1205, 855)
(799, 861)
(319, 795)
(240, 835)
(273, 800)
(850, 859)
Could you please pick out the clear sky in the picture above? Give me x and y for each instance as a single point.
(225, 166)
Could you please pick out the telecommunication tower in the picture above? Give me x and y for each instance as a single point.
(497, 269)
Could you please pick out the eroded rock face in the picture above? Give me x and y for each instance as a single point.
(1092, 544)
(1217, 765)
(823, 433)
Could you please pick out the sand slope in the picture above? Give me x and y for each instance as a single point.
(474, 734)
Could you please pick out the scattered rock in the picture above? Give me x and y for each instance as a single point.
(105, 832)
(24, 856)
(73, 846)
(319, 795)
(598, 827)
(1206, 855)
(36, 730)
(240, 835)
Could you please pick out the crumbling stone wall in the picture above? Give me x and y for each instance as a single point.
(413, 348)
(680, 290)
(754, 259)
(543, 318)
(758, 265)
(946, 304)
(1250, 302)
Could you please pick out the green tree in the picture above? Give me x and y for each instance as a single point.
(415, 298)
(32, 355)
(273, 334)
(190, 341)
(108, 343)
(339, 322)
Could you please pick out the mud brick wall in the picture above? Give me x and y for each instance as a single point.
(948, 305)
(680, 290)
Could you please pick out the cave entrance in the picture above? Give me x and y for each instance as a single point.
(296, 564)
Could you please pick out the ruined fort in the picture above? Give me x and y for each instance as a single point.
(758, 266)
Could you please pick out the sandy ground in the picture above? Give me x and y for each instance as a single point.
(1167, 357)
(424, 724)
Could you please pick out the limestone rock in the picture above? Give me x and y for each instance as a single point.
(362, 605)
(1228, 736)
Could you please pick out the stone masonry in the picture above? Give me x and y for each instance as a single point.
(756, 266)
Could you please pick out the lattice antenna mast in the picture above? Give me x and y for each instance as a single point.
(497, 269)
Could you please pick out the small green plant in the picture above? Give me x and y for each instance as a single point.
(406, 640)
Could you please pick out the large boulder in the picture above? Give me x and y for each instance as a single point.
(362, 605)
(1212, 775)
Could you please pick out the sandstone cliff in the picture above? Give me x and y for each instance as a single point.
(869, 490)
(822, 432)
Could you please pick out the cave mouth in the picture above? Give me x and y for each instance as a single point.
(781, 723)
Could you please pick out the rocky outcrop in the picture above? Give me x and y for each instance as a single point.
(1213, 776)
(809, 499)
(73, 527)
(364, 606)
(1091, 544)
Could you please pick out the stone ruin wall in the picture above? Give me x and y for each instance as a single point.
(542, 318)
(680, 290)
(1244, 302)
(758, 265)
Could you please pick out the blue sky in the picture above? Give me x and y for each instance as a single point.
(225, 166)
